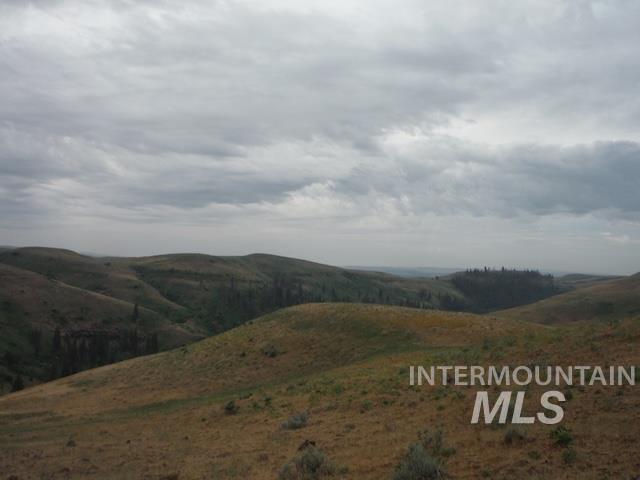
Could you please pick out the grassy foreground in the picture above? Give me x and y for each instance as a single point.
(346, 366)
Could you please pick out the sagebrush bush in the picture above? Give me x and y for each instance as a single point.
(562, 436)
(434, 444)
(231, 408)
(296, 421)
(418, 465)
(309, 464)
(270, 351)
(513, 435)
(569, 456)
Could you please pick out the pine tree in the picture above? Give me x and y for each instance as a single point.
(152, 344)
(18, 384)
(35, 336)
(57, 341)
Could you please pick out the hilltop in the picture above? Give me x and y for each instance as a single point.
(225, 407)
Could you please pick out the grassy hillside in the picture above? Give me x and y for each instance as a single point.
(223, 292)
(32, 306)
(608, 301)
(226, 407)
(182, 297)
(229, 289)
(581, 280)
(111, 278)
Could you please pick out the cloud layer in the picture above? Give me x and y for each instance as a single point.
(365, 119)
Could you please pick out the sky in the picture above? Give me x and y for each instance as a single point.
(377, 132)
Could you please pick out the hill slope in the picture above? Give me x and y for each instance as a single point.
(32, 307)
(605, 301)
(164, 416)
(181, 297)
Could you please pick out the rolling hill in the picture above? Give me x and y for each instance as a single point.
(182, 286)
(110, 308)
(607, 301)
(126, 302)
(33, 307)
(230, 406)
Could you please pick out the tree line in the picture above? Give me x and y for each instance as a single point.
(73, 351)
(78, 350)
(490, 289)
(233, 303)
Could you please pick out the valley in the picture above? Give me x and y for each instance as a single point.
(106, 309)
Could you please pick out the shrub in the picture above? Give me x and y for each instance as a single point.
(513, 435)
(270, 351)
(561, 436)
(424, 459)
(433, 443)
(231, 408)
(569, 456)
(418, 465)
(309, 464)
(296, 421)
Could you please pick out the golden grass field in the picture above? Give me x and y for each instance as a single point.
(163, 416)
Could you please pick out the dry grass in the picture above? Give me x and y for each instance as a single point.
(605, 302)
(347, 366)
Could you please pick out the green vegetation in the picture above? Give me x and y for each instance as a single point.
(18, 384)
(418, 465)
(488, 290)
(110, 309)
(561, 436)
(569, 456)
(230, 408)
(424, 460)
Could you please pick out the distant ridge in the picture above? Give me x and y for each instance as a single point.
(409, 272)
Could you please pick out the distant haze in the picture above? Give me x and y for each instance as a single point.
(376, 132)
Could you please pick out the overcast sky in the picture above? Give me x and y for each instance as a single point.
(400, 132)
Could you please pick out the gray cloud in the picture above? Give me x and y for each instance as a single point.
(445, 177)
(353, 115)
